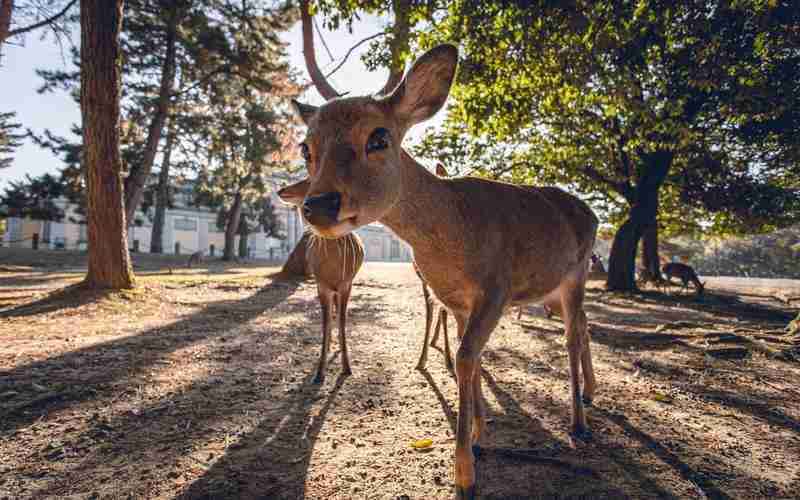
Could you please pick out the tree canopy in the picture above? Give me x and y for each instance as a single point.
(616, 99)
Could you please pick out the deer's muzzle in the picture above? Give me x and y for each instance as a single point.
(322, 209)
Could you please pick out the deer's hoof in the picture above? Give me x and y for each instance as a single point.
(581, 434)
(465, 493)
(587, 401)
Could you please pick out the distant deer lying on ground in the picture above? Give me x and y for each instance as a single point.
(334, 262)
(430, 304)
(481, 245)
(195, 259)
(686, 275)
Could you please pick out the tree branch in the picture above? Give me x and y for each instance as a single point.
(399, 44)
(354, 47)
(320, 82)
(44, 22)
(623, 188)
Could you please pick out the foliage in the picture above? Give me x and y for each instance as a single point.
(33, 197)
(10, 138)
(597, 86)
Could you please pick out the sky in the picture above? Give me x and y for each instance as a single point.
(57, 111)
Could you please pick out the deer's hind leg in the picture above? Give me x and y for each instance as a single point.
(423, 357)
(572, 295)
(448, 357)
(344, 298)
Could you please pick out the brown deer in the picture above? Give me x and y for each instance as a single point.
(430, 304)
(441, 324)
(334, 263)
(195, 259)
(686, 275)
(481, 245)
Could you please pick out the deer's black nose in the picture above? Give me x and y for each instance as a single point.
(322, 208)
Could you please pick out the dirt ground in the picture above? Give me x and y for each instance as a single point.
(197, 384)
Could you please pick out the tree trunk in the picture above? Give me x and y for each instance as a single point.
(162, 194)
(230, 229)
(243, 234)
(101, 65)
(296, 264)
(139, 173)
(6, 9)
(650, 259)
(622, 262)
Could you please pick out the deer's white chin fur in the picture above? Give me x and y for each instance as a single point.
(341, 228)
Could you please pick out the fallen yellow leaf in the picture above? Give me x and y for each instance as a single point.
(422, 443)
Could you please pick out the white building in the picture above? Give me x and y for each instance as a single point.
(188, 229)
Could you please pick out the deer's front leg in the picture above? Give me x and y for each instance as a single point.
(344, 298)
(470, 412)
(326, 301)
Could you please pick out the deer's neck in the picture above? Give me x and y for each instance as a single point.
(425, 203)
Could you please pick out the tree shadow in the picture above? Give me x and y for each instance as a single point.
(69, 297)
(757, 404)
(93, 372)
(242, 472)
(665, 455)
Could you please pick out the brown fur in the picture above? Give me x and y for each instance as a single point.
(480, 245)
(430, 305)
(334, 264)
(194, 259)
(685, 273)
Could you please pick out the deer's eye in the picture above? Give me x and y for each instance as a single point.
(304, 152)
(378, 140)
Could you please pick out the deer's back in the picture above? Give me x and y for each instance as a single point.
(533, 237)
(335, 262)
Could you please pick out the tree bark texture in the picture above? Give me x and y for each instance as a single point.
(650, 258)
(230, 230)
(162, 194)
(139, 173)
(243, 240)
(296, 264)
(101, 72)
(622, 262)
(6, 9)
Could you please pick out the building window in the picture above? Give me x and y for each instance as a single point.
(213, 228)
(395, 250)
(186, 224)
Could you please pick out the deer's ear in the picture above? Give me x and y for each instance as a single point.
(294, 194)
(425, 87)
(304, 111)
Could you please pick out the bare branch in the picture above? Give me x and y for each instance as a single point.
(399, 44)
(49, 20)
(320, 82)
(350, 51)
(322, 39)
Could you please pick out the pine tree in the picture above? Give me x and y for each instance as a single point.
(10, 138)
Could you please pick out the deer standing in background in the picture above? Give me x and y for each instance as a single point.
(334, 262)
(481, 245)
(430, 304)
(686, 275)
(195, 259)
